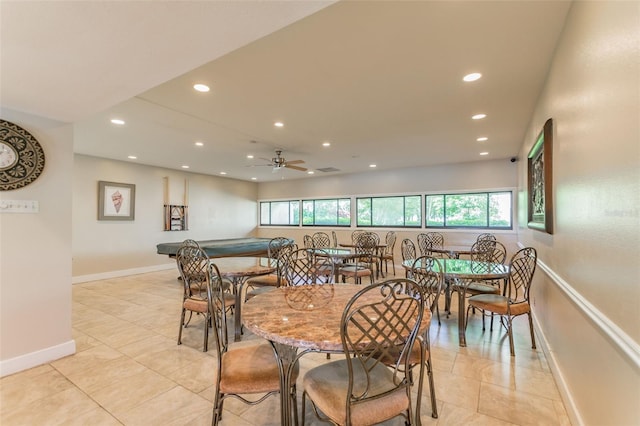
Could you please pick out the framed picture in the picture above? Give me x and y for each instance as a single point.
(116, 201)
(540, 181)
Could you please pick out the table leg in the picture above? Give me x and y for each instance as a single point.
(287, 358)
(462, 292)
(238, 285)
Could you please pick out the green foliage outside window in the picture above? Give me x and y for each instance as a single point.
(401, 211)
(478, 210)
(331, 212)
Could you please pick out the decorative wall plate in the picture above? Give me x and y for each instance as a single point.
(21, 157)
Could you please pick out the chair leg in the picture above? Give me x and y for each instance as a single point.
(217, 409)
(510, 332)
(207, 319)
(432, 389)
(533, 339)
(181, 325)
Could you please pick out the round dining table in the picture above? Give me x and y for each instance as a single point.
(454, 252)
(305, 317)
(462, 272)
(238, 270)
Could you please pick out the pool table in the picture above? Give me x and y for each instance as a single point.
(223, 248)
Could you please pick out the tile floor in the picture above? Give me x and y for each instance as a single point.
(128, 370)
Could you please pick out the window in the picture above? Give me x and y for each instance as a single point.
(401, 211)
(280, 212)
(333, 212)
(477, 210)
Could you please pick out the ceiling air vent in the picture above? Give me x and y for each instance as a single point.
(328, 169)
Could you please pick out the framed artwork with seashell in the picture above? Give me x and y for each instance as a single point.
(116, 201)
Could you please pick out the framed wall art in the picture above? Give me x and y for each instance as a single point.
(540, 181)
(116, 201)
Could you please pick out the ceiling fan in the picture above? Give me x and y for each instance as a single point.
(278, 162)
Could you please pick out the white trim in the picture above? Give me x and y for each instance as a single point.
(620, 339)
(39, 357)
(121, 273)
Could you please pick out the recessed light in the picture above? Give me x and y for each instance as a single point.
(254, 178)
(223, 173)
(482, 139)
(249, 156)
(278, 124)
(117, 121)
(472, 77)
(479, 116)
(326, 144)
(199, 144)
(185, 166)
(201, 87)
(484, 153)
(373, 165)
(132, 157)
(310, 172)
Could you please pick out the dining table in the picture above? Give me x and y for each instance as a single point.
(453, 251)
(379, 249)
(301, 319)
(337, 256)
(462, 272)
(238, 270)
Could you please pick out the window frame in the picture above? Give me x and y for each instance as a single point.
(314, 224)
(460, 227)
(404, 211)
(260, 203)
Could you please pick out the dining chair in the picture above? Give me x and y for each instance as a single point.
(334, 238)
(364, 263)
(278, 247)
(387, 254)
(428, 240)
(307, 266)
(321, 240)
(379, 327)
(426, 271)
(484, 250)
(486, 236)
(307, 241)
(193, 265)
(355, 234)
(516, 300)
(408, 250)
(250, 373)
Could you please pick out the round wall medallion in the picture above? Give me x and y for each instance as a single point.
(21, 157)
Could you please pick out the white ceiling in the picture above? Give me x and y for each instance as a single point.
(380, 80)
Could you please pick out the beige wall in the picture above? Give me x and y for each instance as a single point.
(218, 208)
(587, 289)
(35, 256)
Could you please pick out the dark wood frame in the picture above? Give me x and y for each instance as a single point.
(540, 181)
(104, 208)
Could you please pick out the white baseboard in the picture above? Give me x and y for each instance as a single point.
(34, 359)
(121, 273)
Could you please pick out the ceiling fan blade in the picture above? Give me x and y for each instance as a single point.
(295, 162)
(289, 166)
